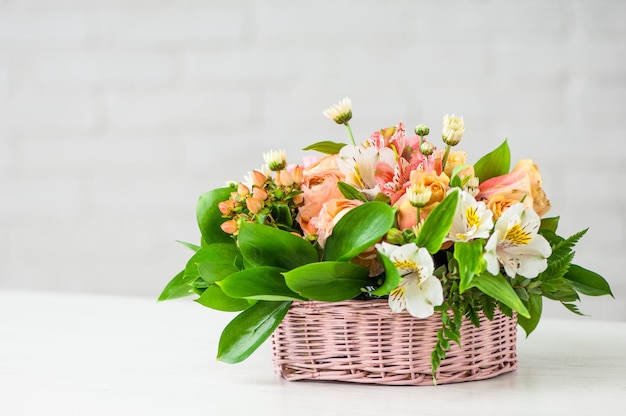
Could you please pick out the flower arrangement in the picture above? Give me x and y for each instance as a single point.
(393, 217)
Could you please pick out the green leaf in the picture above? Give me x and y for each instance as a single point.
(500, 289)
(469, 257)
(190, 246)
(263, 245)
(559, 289)
(327, 147)
(551, 223)
(495, 163)
(438, 223)
(350, 192)
(214, 262)
(178, 287)
(587, 282)
(392, 277)
(358, 230)
(244, 334)
(210, 218)
(488, 306)
(535, 307)
(262, 283)
(455, 181)
(328, 281)
(573, 308)
(213, 297)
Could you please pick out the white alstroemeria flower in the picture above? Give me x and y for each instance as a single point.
(516, 245)
(358, 164)
(471, 220)
(419, 290)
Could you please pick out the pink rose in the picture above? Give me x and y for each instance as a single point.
(522, 183)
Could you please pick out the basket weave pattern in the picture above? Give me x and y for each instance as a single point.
(364, 342)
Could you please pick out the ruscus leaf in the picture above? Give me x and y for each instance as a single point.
(286, 250)
(244, 334)
(178, 287)
(494, 163)
(392, 277)
(213, 297)
(329, 281)
(350, 192)
(587, 282)
(438, 223)
(262, 283)
(327, 147)
(499, 288)
(359, 229)
(210, 218)
(535, 306)
(468, 254)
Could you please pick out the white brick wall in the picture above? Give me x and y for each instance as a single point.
(115, 115)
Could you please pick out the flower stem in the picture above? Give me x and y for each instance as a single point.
(445, 157)
(350, 132)
(419, 219)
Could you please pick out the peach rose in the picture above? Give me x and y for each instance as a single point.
(319, 185)
(330, 214)
(438, 185)
(523, 182)
(455, 159)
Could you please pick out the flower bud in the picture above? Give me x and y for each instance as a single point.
(427, 148)
(276, 160)
(254, 205)
(258, 178)
(229, 227)
(284, 178)
(453, 129)
(471, 186)
(419, 195)
(422, 130)
(298, 177)
(226, 207)
(395, 236)
(242, 189)
(340, 113)
(259, 193)
(298, 199)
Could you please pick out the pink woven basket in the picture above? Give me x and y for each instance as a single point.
(364, 342)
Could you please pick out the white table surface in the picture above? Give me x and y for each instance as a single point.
(73, 354)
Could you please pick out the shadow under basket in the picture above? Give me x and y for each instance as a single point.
(364, 342)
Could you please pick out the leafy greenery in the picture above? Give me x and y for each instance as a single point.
(327, 147)
(358, 230)
(494, 163)
(244, 334)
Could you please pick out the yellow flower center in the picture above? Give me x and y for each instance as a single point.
(405, 264)
(472, 218)
(517, 235)
(397, 292)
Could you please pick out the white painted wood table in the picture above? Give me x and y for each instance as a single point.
(76, 354)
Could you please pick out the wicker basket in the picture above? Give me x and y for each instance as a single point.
(363, 342)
